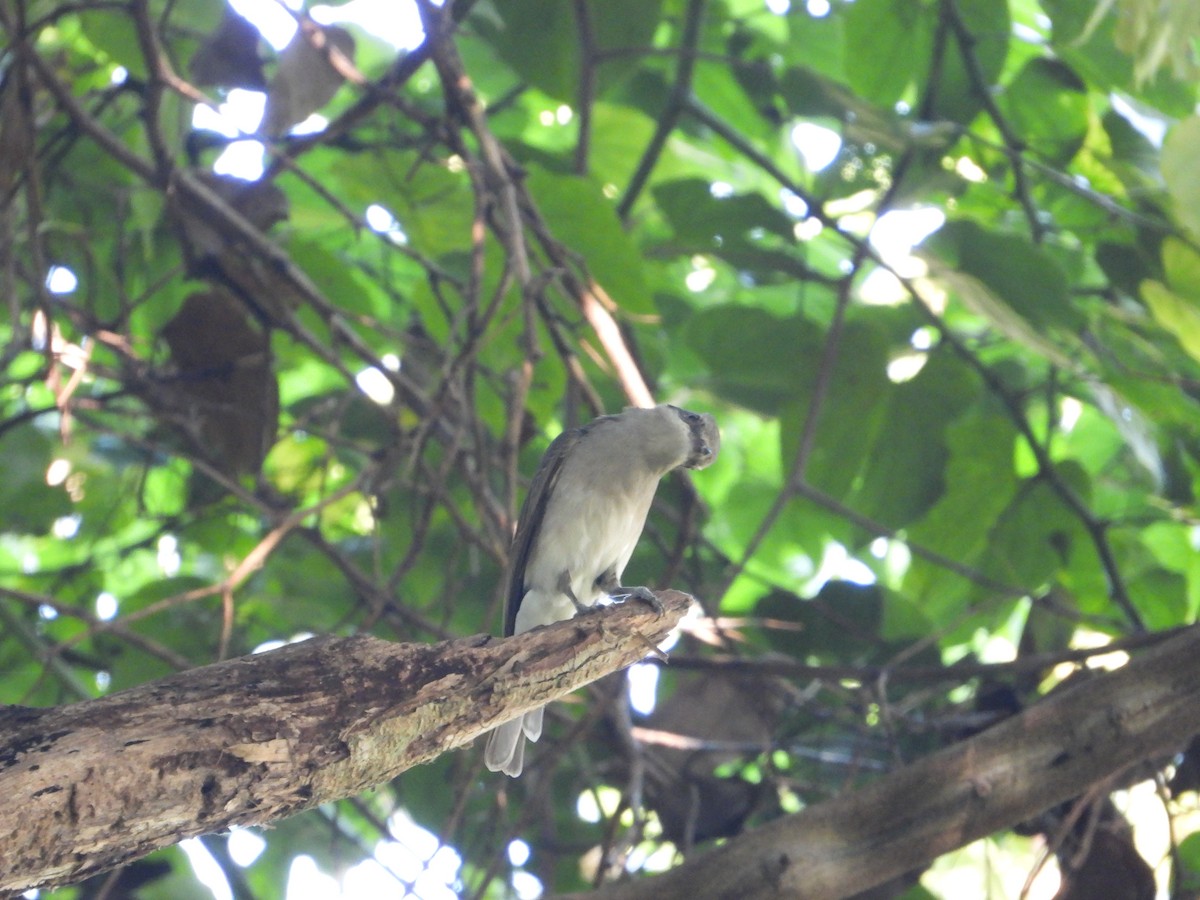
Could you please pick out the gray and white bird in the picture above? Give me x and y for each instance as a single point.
(583, 516)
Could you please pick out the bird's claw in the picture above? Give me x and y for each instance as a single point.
(644, 594)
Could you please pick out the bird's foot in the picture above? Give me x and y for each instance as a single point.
(564, 585)
(643, 594)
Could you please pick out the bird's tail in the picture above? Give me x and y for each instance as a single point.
(505, 751)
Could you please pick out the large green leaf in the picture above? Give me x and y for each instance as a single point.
(888, 41)
(1177, 315)
(116, 35)
(818, 42)
(905, 472)
(979, 485)
(580, 216)
(620, 135)
(1032, 539)
(1023, 278)
(1176, 304)
(851, 411)
(745, 230)
(713, 221)
(432, 203)
(28, 502)
(553, 64)
(754, 358)
(1181, 171)
(1181, 265)
(1047, 105)
(957, 95)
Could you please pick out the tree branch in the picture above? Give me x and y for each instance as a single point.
(96, 784)
(676, 105)
(1052, 752)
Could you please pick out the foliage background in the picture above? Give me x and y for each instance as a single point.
(942, 473)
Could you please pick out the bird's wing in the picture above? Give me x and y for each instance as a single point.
(532, 514)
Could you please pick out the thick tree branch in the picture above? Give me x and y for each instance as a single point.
(92, 785)
(1052, 752)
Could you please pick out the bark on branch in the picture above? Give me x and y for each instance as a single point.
(1047, 755)
(90, 786)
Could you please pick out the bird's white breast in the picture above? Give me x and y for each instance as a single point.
(587, 529)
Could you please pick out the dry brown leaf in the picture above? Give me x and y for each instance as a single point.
(229, 57)
(305, 79)
(1113, 869)
(16, 133)
(224, 397)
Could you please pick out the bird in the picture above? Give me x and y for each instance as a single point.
(583, 515)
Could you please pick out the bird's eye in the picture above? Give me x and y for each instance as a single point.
(693, 417)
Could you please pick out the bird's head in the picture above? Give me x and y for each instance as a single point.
(704, 437)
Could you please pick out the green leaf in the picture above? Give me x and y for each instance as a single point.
(980, 484)
(745, 230)
(852, 409)
(818, 42)
(553, 65)
(1189, 856)
(620, 135)
(30, 504)
(1178, 315)
(116, 35)
(956, 96)
(432, 203)
(709, 223)
(1033, 538)
(1047, 105)
(753, 358)
(1181, 264)
(841, 624)
(581, 217)
(1021, 276)
(888, 41)
(1129, 145)
(906, 472)
(1069, 18)
(1162, 599)
(1181, 172)
(728, 100)
(339, 281)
